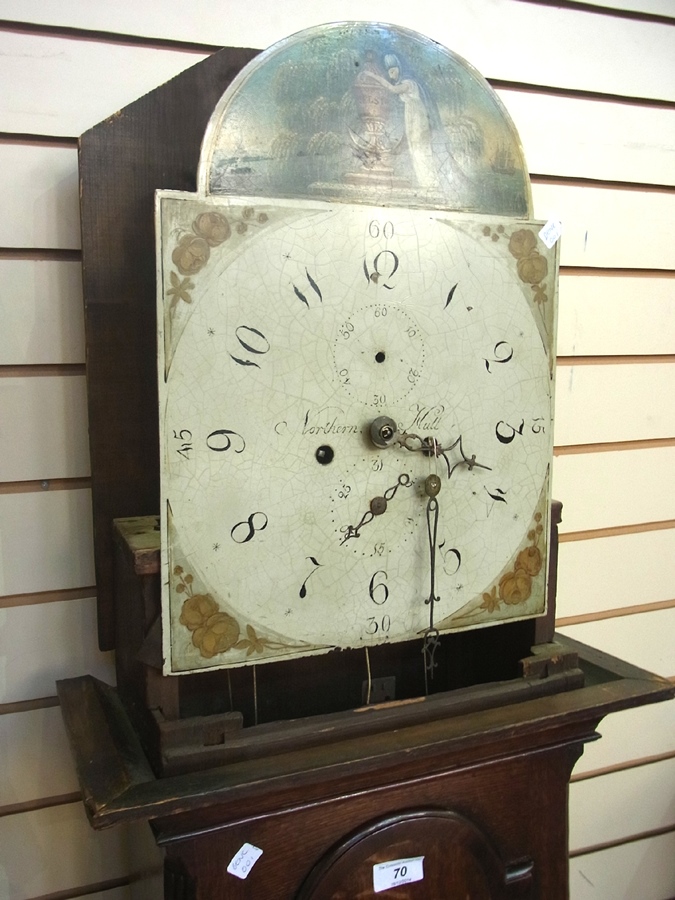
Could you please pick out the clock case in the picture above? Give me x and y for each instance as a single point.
(207, 718)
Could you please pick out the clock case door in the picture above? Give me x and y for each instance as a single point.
(162, 132)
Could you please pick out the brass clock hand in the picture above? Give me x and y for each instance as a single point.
(384, 433)
(378, 506)
(432, 486)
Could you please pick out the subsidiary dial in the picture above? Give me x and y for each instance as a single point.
(379, 354)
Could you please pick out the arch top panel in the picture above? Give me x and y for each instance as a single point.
(364, 112)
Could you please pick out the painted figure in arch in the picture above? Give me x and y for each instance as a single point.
(416, 119)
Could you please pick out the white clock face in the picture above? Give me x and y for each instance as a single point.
(289, 327)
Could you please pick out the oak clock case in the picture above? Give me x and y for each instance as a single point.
(354, 297)
(356, 421)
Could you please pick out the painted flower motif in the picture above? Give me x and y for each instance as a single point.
(219, 633)
(191, 254)
(532, 269)
(251, 643)
(180, 289)
(196, 610)
(515, 587)
(540, 295)
(529, 560)
(491, 601)
(213, 227)
(522, 243)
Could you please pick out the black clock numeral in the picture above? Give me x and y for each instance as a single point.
(302, 593)
(220, 440)
(503, 353)
(376, 625)
(244, 531)
(378, 590)
(386, 230)
(452, 559)
(499, 496)
(505, 433)
(384, 267)
(451, 294)
(253, 341)
(314, 286)
(184, 437)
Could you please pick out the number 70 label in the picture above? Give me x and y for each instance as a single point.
(398, 871)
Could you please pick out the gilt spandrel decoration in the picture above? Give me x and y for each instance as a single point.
(393, 119)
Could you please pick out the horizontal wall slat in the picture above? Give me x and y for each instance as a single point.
(610, 227)
(622, 804)
(655, 7)
(613, 572)
(47, 596)
(49, 642)
(593, 139)
(45, 541)
(644, 869)
(614, 314)
(632, 734)
(554, 46)
(644, 640)
(56, 849)
(604, 490)
(603, 226)
(41, 311)
(39, 188)
(36, 758)
(46, 434)
(65, 86)
(607, 403)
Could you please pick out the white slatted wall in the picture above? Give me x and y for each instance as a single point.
(593, 95)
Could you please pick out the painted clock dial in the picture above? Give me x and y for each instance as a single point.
(288, 328)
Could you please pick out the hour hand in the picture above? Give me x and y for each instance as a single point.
(384, 433)
(378, 506)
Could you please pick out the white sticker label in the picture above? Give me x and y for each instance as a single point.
(398, 871)
(244, 860)
(551, 232)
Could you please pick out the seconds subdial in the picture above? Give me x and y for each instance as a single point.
(379, 354)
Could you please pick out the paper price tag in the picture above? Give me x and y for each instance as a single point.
(243, 861)
(398, 871)
(551, 232)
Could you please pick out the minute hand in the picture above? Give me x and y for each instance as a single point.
(378, 506)
(431, 447)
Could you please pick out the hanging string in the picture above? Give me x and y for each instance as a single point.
(370, 679)
(255, 695)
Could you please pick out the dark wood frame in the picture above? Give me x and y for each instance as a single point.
(152, 143)
(505, 769)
